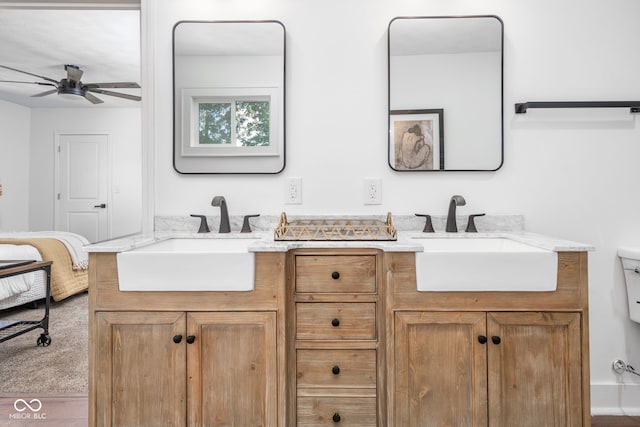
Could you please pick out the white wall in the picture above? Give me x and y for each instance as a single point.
(572, 174)
(14, 167)
(124, 127)
(467, 87)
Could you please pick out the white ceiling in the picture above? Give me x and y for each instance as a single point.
(424, 36)
(228, 38)
(105, 44)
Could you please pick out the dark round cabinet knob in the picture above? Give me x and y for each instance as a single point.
(495, 339)
(335, 275)
(177, 339)
(335, 370)
(336, 418)
(191, 339)
(482, 339)
(335, 323)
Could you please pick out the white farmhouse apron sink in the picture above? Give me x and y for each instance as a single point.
(189, 264)
(484, 265)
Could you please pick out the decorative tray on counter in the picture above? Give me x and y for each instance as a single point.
(335, 229)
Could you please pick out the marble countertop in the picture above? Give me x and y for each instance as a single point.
(408, 241)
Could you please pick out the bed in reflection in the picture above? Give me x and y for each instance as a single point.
(69, 271)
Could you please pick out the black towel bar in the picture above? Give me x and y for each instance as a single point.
(634, 106)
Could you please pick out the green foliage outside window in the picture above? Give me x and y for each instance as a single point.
(249, 120)
(215, 123)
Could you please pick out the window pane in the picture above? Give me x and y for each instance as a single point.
(252, 123)
(215, 123)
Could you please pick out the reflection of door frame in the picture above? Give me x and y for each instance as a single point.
(57, 171)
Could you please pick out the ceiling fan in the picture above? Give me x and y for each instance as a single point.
(73, 86)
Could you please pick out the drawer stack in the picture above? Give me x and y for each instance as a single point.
(336, 339)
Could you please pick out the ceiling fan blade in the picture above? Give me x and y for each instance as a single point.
(74, 72)
(93, 99)
(49, 92)
(128, 85)
(111, 93)
(31, 74)
(31, 83)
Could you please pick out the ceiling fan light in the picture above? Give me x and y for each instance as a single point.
(72, 93)
(69, 96)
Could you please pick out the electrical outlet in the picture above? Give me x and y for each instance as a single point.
(293, 191)
(372, 191)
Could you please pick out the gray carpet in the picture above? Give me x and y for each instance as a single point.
(62, 367)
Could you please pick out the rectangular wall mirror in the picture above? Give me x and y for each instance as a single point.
(446, 93)
(228, 99)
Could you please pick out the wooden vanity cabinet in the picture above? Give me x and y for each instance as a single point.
(334, 350)
(339, 337)
(487, 369)
(469, 359)
(213, 363)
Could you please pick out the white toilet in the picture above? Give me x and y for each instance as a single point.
(630, 257)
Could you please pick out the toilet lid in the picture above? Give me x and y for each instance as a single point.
(631, 252)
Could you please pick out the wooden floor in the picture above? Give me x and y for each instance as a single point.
(607, 421)
(51, 411)
(71, 411)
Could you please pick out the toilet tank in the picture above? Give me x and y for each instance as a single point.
(631, 264)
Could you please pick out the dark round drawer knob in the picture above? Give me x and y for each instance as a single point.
(495, 339)
(335, 275)
(335, 370)
(177, 339)
(335, 323)
(482, 339)
(336, 417)
(191, 339)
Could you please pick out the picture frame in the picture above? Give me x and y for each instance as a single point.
(416, 140)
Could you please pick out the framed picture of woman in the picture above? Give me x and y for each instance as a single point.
(417, 140)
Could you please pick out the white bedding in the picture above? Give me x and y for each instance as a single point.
(14, 285)
(74, 243)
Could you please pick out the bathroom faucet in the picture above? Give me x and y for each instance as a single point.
(224, 214)
(452, 226)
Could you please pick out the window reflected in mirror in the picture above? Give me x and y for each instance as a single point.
(229, 97)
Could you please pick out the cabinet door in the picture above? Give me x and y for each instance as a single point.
(140, 371)
(440, 370)
(232, 369)
(535, 370)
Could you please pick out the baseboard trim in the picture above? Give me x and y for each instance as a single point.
(615, 399)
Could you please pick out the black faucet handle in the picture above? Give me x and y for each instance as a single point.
(471, 225)
(428, 226)
(204, 227)
(246, 226)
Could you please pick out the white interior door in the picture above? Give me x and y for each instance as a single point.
(82, 204)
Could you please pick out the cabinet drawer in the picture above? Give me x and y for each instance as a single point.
(336, 368)
(336, 321)
(348, 411)
(336, 273)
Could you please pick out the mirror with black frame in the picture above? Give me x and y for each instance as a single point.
(229, 103)
(446, 93)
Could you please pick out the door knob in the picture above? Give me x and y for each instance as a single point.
(191, 339)
(101, 206)
(495, 339)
